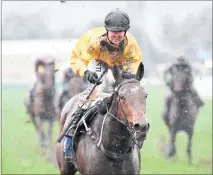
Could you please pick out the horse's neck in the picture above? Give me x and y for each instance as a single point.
(47, 91)
(116, 137)
(46, 84)
(182, 100)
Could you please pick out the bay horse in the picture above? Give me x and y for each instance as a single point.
(118, 133)
(40, 102)
(182, 113)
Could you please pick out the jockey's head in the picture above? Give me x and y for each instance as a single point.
(68, 73)
(117, 23)
(182, 62)
(41, 62)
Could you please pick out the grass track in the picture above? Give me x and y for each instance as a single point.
(21, 155)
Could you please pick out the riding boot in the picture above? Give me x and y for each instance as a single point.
(198, 101)
(76, 119)
(68, 153)
(68, 145)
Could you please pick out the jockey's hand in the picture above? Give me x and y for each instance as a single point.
(92, 77)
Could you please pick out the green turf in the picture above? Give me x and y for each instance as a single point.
(21, 155)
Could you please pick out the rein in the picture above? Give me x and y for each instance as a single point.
(124, 123)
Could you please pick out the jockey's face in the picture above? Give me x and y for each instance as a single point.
(116, 37)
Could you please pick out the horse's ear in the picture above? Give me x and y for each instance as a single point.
(116, 73)
(140, 72)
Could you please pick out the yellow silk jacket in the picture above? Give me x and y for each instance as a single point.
(88, 48)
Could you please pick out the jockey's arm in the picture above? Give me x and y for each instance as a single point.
(135, 54)
(81, 57)
(167, 75)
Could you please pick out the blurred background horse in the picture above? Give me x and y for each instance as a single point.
(40, 100)
(181, 109)
(72, 85)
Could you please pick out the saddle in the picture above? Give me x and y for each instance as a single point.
(87, 117)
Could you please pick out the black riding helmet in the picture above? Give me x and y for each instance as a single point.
(68, 73)
(181, 61)
(117, 21)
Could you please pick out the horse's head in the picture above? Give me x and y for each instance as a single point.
(131, 101)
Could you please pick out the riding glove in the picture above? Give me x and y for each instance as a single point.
(92, 77)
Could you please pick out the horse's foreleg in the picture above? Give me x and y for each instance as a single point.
(189, 146)
(167, 106)
(172, 147)
(41, 134)
(51, 121)
(35, 122)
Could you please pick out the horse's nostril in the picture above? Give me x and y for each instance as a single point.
(136, 127)
(148, 126)
(144, 128)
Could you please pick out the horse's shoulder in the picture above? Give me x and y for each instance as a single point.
(38, 88)
(69, 105)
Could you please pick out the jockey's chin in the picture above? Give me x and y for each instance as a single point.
(116, 41)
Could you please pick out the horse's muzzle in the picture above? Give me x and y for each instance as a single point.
(141, 131)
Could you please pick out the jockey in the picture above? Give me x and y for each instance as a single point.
(185, 67)
(182, 65)
(68, 74)
(110, 45)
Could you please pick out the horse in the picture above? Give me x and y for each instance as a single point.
(182, 113)
(117, 132)
(75, 83)
(40, 101)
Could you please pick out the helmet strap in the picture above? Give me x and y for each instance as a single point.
(108, 38)
(109, 48)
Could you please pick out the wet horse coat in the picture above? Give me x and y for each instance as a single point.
(113, 145)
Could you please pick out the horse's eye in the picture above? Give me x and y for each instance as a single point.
(146, 95)
(122, 97)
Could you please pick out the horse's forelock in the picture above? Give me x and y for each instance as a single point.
(127, 75)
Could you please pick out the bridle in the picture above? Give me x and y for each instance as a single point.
(124, 121)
